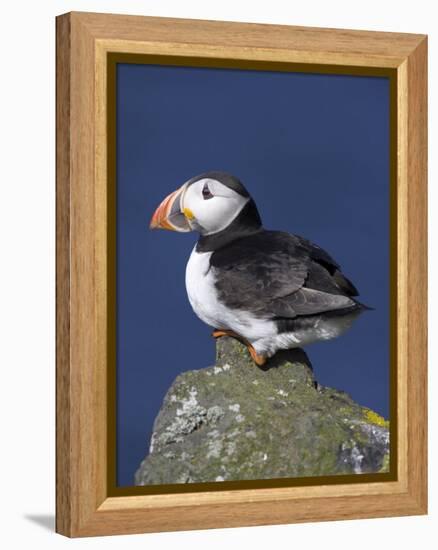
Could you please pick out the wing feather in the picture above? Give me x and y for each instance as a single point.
(307, 301)
(275, 274)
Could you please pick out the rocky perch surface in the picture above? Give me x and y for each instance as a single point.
(236, 421)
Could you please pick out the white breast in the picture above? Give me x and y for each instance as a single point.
(200, 287)
(200, 279)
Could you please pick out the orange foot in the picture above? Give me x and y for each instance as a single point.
(260, 360)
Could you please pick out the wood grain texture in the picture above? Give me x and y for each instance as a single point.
(63, 409)
(389, 49)
(417, 274)
(83, 505)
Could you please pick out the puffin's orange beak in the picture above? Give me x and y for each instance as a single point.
(169, 214)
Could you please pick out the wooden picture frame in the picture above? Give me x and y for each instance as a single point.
(86, 503)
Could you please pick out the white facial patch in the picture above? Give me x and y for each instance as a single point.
(215, 213)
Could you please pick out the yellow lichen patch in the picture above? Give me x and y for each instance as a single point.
(375, 418)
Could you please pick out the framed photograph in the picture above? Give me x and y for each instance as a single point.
(264, 360)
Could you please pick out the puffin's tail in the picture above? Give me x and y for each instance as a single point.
(364, 306)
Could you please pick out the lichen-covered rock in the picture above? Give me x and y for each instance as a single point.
(236, 421)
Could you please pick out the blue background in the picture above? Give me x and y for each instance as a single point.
(313, 150)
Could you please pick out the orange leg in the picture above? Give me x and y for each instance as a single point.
(220, 333)
(258, 359)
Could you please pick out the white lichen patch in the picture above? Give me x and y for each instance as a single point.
(151, 446)
(357, 458)
(217, 370)
(235, 407)
(240, 418)
(231, 447)
(226, 367)
(255, 382)
(214, 448)
(214, 414)
(188, 418)
(219, 478)
(376, 433)
(282, 393)
(352, 456)
(189, 403)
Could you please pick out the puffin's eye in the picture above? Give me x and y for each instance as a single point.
(206, 193)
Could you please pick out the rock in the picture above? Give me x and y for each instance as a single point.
(236, 421)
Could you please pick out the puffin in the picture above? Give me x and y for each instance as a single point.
(271, 290)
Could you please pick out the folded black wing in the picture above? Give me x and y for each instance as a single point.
(267, 274)
(323, 259)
